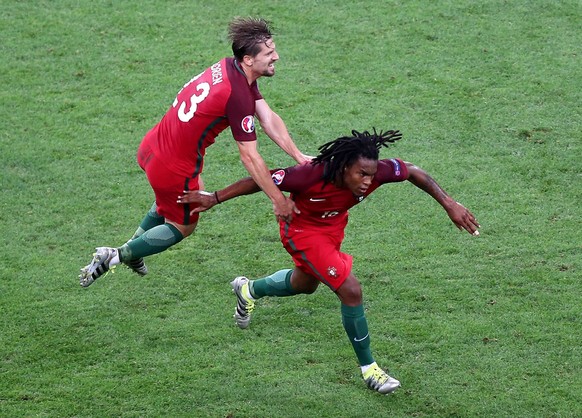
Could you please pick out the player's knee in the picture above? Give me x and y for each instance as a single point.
(350, 292)
(355, 294)
(310, 288)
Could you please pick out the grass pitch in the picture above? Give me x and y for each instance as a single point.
(488, 97)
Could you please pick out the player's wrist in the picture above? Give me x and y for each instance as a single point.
(300, 158)
(449, 203)
(280, 203)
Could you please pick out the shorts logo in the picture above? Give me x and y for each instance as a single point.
(332, 271)
(278, 177)
(248, 124)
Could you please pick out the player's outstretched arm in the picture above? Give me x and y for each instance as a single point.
(459, 214)
(276, 129)
(283, 207)
(203, 200)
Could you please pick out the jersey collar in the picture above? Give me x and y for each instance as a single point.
(238, 67)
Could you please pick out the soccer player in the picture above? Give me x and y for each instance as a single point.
(345, 172)
(172, 152)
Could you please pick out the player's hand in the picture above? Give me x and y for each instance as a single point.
(285, 209)
(202, 200)
(463, 218)
(305, 159)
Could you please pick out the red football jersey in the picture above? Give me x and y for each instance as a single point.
(218, 97)
(325, 206)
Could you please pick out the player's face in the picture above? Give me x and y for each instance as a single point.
(358, 177)
(264, 61)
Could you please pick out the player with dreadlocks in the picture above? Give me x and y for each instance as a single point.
(344, 151)
(345, 172)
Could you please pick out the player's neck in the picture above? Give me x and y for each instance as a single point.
(250, 75)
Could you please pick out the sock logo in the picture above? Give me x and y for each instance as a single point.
(361, 339)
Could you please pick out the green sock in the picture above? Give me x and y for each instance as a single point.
(277, 284)
(151, 220)
(152, 241)
(356, 326)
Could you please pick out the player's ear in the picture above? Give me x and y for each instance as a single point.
(248, 60)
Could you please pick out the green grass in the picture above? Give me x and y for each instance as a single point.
(488, 97)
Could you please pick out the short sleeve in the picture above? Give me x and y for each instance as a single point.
(240, 109)
(255, 91)
(391, 171)
(298, 178)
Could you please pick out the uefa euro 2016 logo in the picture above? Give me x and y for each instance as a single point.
(248, 124)
(278, 177)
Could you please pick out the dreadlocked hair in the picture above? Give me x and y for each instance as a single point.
(346, 150)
